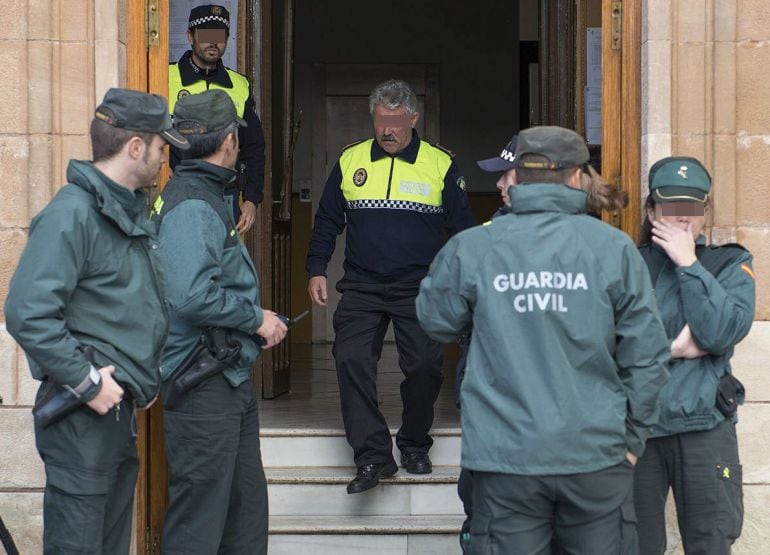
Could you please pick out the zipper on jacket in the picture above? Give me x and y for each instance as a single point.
(390, 176)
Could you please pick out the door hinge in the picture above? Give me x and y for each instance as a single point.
(153, 23)
(616, 16)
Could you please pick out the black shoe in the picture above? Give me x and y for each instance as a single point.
(369, 475)
(416, 463)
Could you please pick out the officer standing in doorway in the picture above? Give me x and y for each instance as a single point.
(565, 365)
(87, 306)
(201, 69)
(396, 194)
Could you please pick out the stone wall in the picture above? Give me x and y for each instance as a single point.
(60, 57)
(705, 80)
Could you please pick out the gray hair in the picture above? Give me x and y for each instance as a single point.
(392, 94)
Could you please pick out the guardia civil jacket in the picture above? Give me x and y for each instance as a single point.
(185, 77)
(211, 278)
(715, 296)
(90, 275)
(568, 352)
(398, 210)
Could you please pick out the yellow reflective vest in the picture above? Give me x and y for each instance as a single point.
(390, 182)
(239, 92)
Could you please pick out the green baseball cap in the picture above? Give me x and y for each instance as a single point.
(209, 111)
(563, 147)
(679, 179)
(139, 111)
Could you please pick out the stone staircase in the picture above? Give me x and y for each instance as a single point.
(312, 514)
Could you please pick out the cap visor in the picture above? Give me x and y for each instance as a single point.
(679, 194)
(241, 122)
(496, 164)
(173, 137)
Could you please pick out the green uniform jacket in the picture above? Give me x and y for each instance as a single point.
(719, 309)
(568, 352)
(211, 279)
(90, 275)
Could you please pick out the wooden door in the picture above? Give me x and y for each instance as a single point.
(147, 70)
(341, 108)
(562, 50)
(147, 24)
(621, 106)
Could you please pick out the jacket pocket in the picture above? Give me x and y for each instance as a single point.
(730, 499)
(629, 544)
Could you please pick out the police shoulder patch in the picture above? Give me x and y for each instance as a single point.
(359, 177)
(461, 183)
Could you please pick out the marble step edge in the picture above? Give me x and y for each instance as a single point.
(343, 474)
(384, 524)
(333, 432)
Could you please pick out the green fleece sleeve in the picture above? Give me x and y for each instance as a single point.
(192, 239)
(443, 311)
(45, 279)
(641, 348)
(719, 310)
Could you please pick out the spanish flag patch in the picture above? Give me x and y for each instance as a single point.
(746, 268)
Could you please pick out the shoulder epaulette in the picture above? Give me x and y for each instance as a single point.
(731, 245)
(236, 71)
(354, 143)
(444, 150)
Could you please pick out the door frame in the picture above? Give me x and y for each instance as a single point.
(146, 69)
(147, 54)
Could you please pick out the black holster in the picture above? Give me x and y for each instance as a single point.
(730, 394)
(58, 400)
(215, 352)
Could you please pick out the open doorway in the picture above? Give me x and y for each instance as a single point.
(484, 71)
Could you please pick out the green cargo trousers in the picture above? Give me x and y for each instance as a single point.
(217, 487)
(704, 472)
(91, 467)
(575, 514)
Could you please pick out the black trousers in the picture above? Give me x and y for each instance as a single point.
(575, 514)
(360, 323)
(703, 470)
(217, 487)
(91, 467)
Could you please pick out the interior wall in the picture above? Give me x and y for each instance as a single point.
(477, 51)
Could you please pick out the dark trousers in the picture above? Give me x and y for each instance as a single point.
(703, 470)
(91, 467)
(360, 323)
(576, 514)
(217, 488)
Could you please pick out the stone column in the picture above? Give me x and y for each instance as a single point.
(705, 79)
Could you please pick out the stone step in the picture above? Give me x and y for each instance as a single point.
(381, 535)
(313, 447)
(320, 491)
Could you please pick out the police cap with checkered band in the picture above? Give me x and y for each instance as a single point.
(209, 16)
(503, 162)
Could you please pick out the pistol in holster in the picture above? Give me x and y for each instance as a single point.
(215, 352)
(58, 400)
